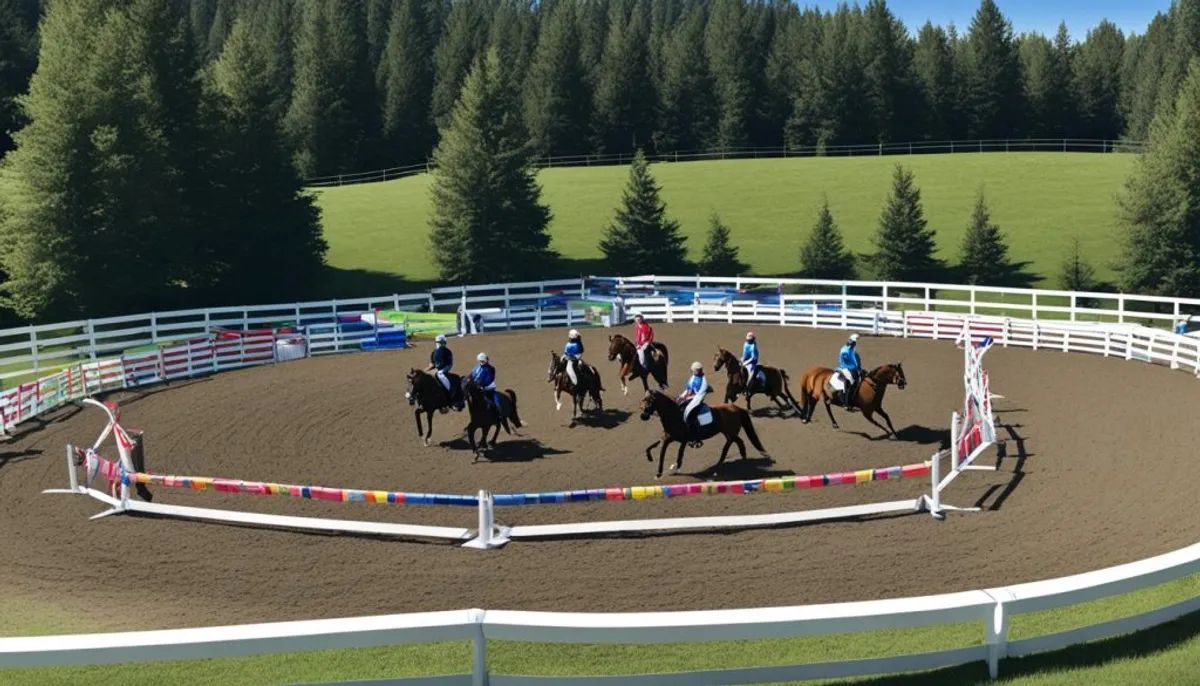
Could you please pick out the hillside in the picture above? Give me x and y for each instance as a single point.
(1040, 200)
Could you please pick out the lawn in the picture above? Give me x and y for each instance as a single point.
(1040, 200)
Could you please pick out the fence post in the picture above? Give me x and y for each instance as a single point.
(91, 331)
(507, 310)
(71, 473)
(479, 669)
(33, 348)
(995, 637)
(954, 425)
(935, 497)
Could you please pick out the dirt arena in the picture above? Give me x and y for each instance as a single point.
(1099, 471)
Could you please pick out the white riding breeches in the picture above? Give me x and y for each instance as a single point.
(641, 352)
(571, 362)
(441, 376)
(848, 375)
(693, 404)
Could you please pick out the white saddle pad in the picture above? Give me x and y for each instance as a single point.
(838, 383)
(704, 417)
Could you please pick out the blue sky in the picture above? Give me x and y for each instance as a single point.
(1028, 15)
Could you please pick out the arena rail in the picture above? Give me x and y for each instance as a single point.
(882, 312)
(994, 608)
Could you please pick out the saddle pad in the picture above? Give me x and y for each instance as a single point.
(838, 382)
(703, 415)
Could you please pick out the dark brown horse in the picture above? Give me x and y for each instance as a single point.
(728, 420)
(425, 393)
(776, 387)
(623, 350)
(484, 415)
(869, 398)
(589, 385)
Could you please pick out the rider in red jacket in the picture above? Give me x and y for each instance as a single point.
(643, 336)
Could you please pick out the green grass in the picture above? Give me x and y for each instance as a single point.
(1040, 200)
(1164, 655)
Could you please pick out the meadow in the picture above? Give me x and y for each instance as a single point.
(1039, 200)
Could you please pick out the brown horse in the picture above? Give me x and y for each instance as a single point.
(869, 399)
(426, 394)
(589, 385)
(484, 415)
(776, 382)
(728, 420)
(623, 350)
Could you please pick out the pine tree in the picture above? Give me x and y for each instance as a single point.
(333, 116)
(904, 243)
(985, 260)
(1160, 209)
(1143, 89)
(108, 182)
(270, 247)
(622, 106)
(641, 240)
(405, 83)
(933, 65)
(1076, 273)
(686, 117)
(726, 44)
(556, 93)
(461, 41)
(379, 19)
(824, 254)
(18, 58)
(720, 255)
(1098, 82)
(890, 90)
(488, 223)
(994, 92)
(222, 24)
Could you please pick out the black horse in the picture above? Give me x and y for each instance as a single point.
(425, 393)
(589, 385)
(484, 415)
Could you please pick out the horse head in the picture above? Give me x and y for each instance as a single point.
(648, 402)
(615, 345)
(553, 371)
(720, 359)
(891, 373)
(410, 391)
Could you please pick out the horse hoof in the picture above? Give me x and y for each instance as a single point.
(657, 477)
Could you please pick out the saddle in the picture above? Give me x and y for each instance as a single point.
(700, 425)
(758, 383)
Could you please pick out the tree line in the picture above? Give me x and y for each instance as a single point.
(364, 84)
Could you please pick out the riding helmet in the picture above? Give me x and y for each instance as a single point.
(697, 367)
(441, 338)
(573, 334)
(750, 335)
(481, 357)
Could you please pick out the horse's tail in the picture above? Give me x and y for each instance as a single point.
(748, 425)
(512, 398)
(787, 391)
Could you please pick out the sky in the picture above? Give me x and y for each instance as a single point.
(1028, 15)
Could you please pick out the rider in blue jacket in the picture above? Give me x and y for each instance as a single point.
(693, 394)
(573, 354)
(750, 359)
(850, 366)
(485, 375)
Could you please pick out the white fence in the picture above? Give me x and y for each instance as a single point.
(885, 309)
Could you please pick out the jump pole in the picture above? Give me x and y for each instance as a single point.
(72, 475)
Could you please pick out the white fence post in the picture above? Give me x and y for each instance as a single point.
(935, 495)
(995, 637)
(73, 476)
(479, 668)
(954, 456)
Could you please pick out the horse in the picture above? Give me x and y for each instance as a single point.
(425, 393)
(589, 385)
(623, 350)
(776, 381)
(484, 416)
(869, 397)
(728, 420)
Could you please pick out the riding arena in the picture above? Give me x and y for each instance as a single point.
(237, 458)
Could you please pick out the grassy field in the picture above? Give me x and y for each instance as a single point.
(1040, 200)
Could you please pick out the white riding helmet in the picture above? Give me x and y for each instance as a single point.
(573, 334)
(750, 335)
(481, 357)
(441, 338)
(697, 367)
(853, 338)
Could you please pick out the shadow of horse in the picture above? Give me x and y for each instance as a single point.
(741, 470)
(18, 456)
(608, 419)
(521, 450)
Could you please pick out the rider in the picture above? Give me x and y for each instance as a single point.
(573, 355)
(643, 337)
(750, 359)
(850, 366)
(441, 359)
(485, 375)
(693, 393)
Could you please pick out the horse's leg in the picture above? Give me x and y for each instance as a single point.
(725, 452)
(829, 411)
(887, 419)
(471, 438)
(557, 394)
(679, 457)
(649, 455)
(428, 426)
(662, 454)
(420, 429)
(495, 435)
